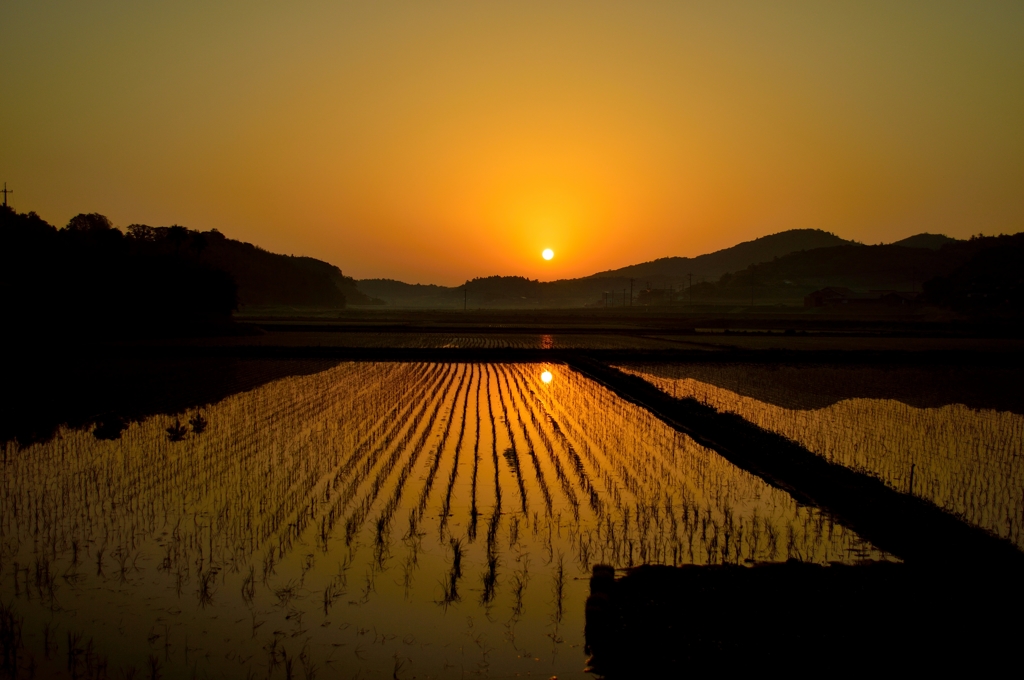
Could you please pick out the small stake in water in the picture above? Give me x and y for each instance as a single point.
(912, 466)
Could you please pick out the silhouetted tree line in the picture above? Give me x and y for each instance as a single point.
(991, 281)
(268, 279)
(976, 276)
(90, 273)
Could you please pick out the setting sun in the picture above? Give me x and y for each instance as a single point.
(548, 254)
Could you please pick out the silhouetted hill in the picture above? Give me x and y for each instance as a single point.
(990, 280)
(932, 241)
(981, 266)
(410, 294)
(265, 278)
(740, 256)
(516, 291)
(90, 274)
(834, 261)
(859, 267)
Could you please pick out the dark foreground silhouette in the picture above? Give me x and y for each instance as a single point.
(802, 618)
(91, 275)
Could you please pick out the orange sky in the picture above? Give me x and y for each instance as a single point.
(437, 141)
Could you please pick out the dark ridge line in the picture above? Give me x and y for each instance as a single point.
(957, 357)
(908, 527)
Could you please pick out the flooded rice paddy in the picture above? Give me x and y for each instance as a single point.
(368, 520)
(962, 457)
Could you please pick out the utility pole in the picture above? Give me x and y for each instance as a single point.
(465, 298)
(623, 297)
(7, 191)
(631, 292)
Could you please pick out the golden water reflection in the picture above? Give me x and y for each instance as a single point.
(375, 519)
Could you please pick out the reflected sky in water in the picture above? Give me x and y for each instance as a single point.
(373, 520)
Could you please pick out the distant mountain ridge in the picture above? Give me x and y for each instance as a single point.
(929, 241)
(723, 272)
(739, 256)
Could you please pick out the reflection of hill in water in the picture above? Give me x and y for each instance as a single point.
(808, 387)
(108, 391)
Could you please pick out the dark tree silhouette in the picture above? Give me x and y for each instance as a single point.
(91, 275)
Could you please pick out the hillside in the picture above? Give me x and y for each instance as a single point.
(397, 293)
(871, 267)
(933, 241)
(269, 279)
(93, 272)
(263, 278)
(985, 265)
(91, 275)
(713, 265)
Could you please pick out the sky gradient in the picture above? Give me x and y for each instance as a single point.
(434, 142)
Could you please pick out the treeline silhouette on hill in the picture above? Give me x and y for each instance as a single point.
(270, 279)
(982, 274)
(991, 278)
(976, 276)
(91, 273)
(739, 256)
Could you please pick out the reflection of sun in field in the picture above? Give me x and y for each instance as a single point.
(548, 254)
(546, 376)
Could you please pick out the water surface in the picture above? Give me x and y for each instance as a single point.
(946, 440)
(370, 520)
